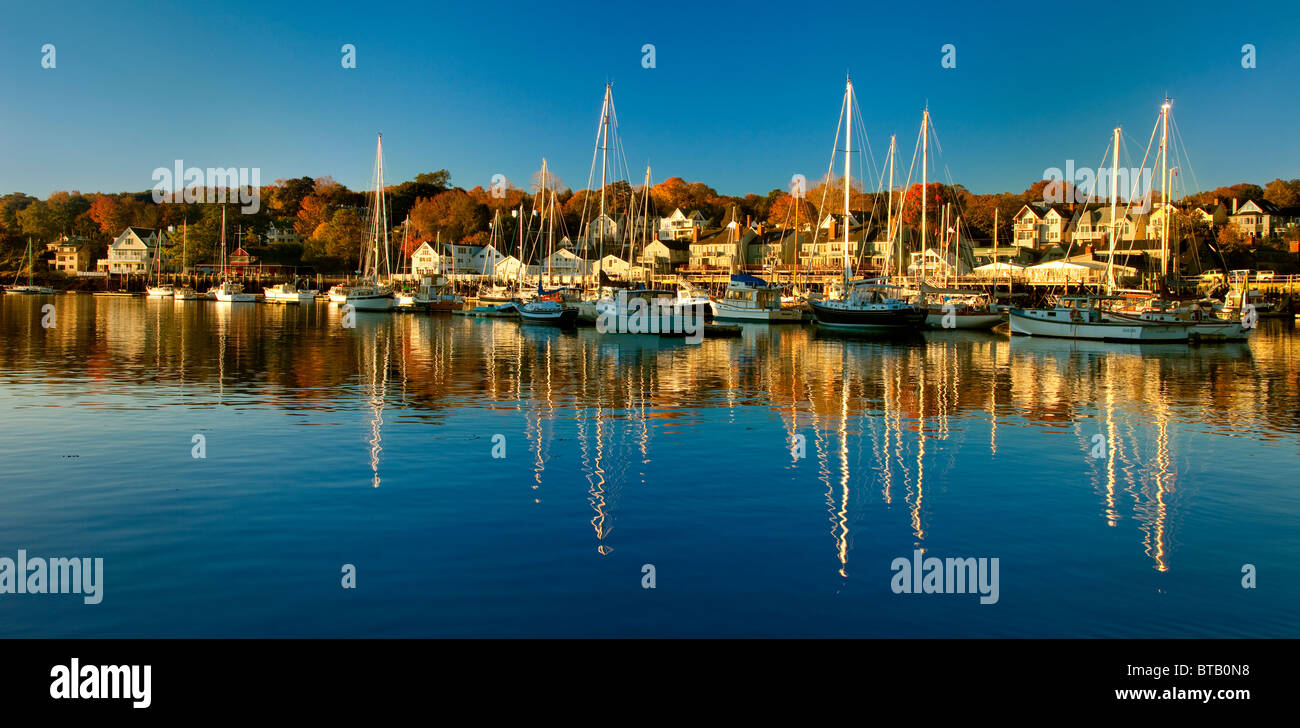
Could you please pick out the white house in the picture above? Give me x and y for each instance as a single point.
(484, 262)
(459, 259)
(614, 267)
(681, 226)
(281, 234)
(425, 261)
(134, 251)
(508, 268)
(563, 262)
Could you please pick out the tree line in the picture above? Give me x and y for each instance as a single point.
(332, 219)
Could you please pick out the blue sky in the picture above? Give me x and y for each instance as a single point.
(742, 95)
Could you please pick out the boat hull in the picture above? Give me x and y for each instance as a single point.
(1099, 330)
(561, 317)
(370, 303)
(885, 320)
(966, 321)
(1211, 330)
(722, 312)
(296, 297)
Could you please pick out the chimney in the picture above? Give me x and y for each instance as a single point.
(1234, 206)
(749, 221)
(695, 234)
(831, 233)
(760, 228)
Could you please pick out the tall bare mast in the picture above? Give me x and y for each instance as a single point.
(379, 225)
(1164, 188)
(925, 191)
(1114, 221)
(604, 153)
(889, 212)
(848, 173)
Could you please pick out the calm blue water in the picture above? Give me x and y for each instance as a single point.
(373, 446)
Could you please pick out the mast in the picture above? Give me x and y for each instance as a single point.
(550, 223)
(925, 192)
(889, 213)
(223, 243)
(604, 153)
(645, 218)
(1164, 188)
(1114, 225)
(848, 176)
(995, 249)
(381, 211)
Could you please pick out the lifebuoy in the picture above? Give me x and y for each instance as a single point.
(1075, 315)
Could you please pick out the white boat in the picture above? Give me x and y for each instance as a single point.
(369, 294)
(288, 293)
(163, 290)
(370, 297)
(228, 291)
(1076, 317)
(750, 299)
(1200, 317)
(338, 293)
(184, 293)
(231, 292)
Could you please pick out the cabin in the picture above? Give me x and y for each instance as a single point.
(425, 261)
(135, 250)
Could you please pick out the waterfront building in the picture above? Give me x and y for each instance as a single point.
(72, 254)
(133, 251)
(425, 261)
(681, 225)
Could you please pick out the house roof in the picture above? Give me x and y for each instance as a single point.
(1265, 206)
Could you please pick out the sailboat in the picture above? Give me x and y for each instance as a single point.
(184, 293)
(598, 295)
(30, 289)
(229, 291)
(370, 294)
(549, 306)
(866, 306)
(159, 289)
(1081, 317)
(1198, 315)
